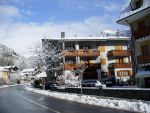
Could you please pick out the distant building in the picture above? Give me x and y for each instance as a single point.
(137, 16)
(27, 74)
(101, 57)
(8, 74)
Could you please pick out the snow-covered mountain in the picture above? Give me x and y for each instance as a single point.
(9, 57)
(7, 52)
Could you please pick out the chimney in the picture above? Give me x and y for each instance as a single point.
(62, 34)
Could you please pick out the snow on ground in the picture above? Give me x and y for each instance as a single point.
(132, 105)
(3, 86)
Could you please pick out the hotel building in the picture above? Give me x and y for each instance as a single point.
(99, 57)
(137, 16)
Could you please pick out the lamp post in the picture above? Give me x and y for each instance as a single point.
(81, 75)
(81, 82)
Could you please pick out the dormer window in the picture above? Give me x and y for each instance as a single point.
(135, 4)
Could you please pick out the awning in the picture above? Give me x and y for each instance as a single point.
(142, 74)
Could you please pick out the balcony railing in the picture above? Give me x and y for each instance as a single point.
(120, 65)
(89, 52)
(81, 52)
(141, 33)
(71, 53)
(119, 53)
(71, 66)
(143, 59)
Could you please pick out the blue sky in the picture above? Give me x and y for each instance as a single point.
(30, 20)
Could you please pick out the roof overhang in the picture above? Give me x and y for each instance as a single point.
(142, 74)
(98, 39)
(135, 16)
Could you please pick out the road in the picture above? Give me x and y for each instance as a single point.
(17, 100)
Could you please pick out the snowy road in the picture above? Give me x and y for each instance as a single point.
(17, 100)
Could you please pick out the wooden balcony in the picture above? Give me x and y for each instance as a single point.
(141, 33)
(120, 65)
(71, 53)
(88, 53)
(71, 66)
(119, 53)
(143, 59)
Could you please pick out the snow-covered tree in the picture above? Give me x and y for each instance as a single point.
(37, 57)
(46, 55)
(8, 57)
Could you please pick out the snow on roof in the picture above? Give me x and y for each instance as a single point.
(28, 70)
(22, 74)
(96, 37)
(92, 38)
(8, 67)
(3, 69)
(43, 74)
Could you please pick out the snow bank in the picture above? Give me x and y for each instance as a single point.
(3, 86)
(132, 105)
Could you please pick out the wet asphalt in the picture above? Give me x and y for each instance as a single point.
(17, 100)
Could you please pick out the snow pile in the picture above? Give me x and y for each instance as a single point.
(41, 75)
(70, 79)
(4, 86)
(132, 105)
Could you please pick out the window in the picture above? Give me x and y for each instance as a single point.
(145, 50)
(123, 73)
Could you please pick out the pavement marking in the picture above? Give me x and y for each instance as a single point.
(45, 107)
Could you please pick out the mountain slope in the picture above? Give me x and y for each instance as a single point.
(9, 57)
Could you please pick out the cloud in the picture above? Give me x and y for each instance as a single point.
(52, 18)
(108, 6)
(9, 11)
(20, 36)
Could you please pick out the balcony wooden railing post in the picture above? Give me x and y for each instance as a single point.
(119, 53)
(81, 52)
(120, 65)
(143, 59)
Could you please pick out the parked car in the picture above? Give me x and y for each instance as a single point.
(109, 84)
(91, 83)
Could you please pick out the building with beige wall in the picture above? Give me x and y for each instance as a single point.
(137, 16)
(99, 56)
